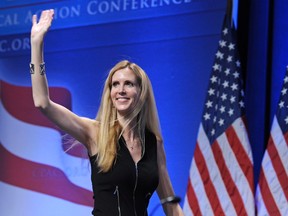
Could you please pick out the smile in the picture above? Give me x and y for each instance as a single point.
(122, 99)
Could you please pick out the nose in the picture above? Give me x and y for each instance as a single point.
(122, 89)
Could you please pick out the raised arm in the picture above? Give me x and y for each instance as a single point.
(165, 188)
(82, 129)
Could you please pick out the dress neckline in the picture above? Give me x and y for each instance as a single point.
(127, 149)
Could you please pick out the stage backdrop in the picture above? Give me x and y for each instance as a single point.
(173, 40)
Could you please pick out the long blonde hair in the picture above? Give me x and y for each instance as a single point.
(110, 131)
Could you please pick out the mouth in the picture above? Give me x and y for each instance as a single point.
(122, 99)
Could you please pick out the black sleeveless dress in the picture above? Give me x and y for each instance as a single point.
(126, 189)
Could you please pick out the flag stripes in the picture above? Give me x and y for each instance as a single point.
(221, 173)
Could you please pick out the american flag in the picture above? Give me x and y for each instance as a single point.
(221, 173)
(272, 188)
(37, 174)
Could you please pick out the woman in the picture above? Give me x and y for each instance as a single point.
(124, 141)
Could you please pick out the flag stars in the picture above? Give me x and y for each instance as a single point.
(221, 122)
(231, 112)
(234, 86)
(238, 63)
(227, 71)
(222, 109)
(211, 91)
(216, 67)
(219, 55)
(231, 46)
(286, 120)
(213, 132)
(224, 96)
(285, 79)
(236, 74)
(206, 116)
(229, 59)
(222, 43)
(281, 104)
(284, 91)
(225, 84)
(213, 79)
(209, 104)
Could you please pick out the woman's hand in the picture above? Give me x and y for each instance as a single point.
(39, 29)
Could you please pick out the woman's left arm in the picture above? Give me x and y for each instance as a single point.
(165, 188)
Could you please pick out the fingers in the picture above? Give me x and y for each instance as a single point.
(34, 19)
(46, 14)
(51, 11)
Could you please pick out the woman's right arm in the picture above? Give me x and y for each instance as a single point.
(82, 129)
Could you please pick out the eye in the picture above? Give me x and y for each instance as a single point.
(129, 84)
(115, 84)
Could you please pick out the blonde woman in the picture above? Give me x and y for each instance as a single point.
(124, 141)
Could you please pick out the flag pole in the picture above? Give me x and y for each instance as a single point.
(229, 10)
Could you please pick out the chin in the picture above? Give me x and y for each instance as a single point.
(123, 112)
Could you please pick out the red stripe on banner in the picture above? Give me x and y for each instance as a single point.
(278, 167)
(208, 184)
(267, 195)
(41, 178)
(18, 101)
(241, 155)
(192, 199)
(228, 181)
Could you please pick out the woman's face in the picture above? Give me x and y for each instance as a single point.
(125, 91)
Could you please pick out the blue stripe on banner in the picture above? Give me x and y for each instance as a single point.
(15, 18)
(140, 31)
(5, 4)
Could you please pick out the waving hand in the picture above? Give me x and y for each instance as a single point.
(40, 28)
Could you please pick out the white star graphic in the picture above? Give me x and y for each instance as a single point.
(224, 96)
(229, 59)
(231, 112)
(216, 67)
(212, 132)
(284, 91)
(219, 55)
(227, 71)
(225, 31)
(222, 43)
(286, 120)
(225, 84)
(281, 104)
(209, 104)
(231, 46)
(241, 103)
(213, 79)
(238, 64)
(207, 116)
(234, 86)
(222, 109)
(221, 122)
(211, 91)
(232, 99)
(236, 74)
